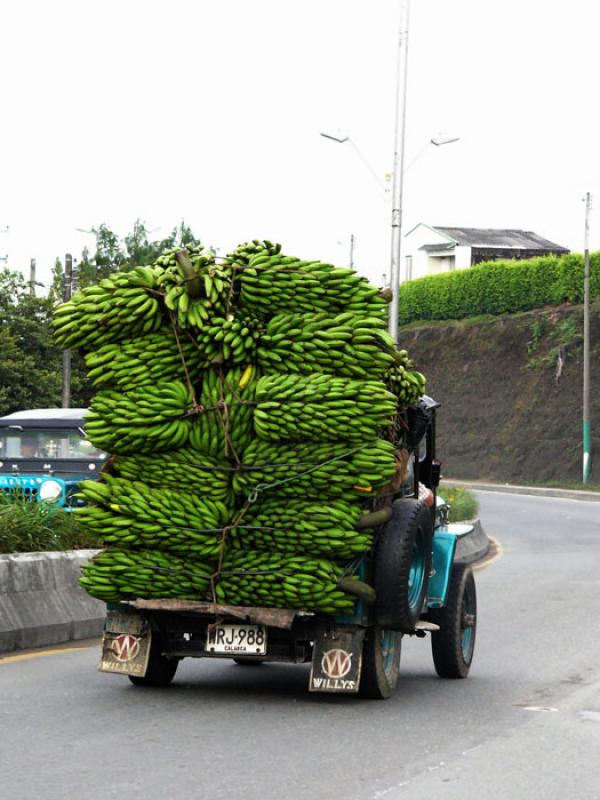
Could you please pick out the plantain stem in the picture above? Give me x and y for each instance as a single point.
(357, 588)
(193, 284)
(373, 519)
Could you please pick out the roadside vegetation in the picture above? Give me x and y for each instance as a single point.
(30, 527)
(498, 287)
(463, 505)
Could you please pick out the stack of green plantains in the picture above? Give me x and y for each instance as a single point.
(253, 578)
(132, 513)
(225, 425)
(148, 419)
(321, 408)
(316, 528)
(118, 573)
(144, 361)
(249, 404)
(345, 344)
(312, 470)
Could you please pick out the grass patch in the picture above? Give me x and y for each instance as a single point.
(31, 527)
(463, 505)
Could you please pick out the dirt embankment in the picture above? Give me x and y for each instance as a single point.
(511, 394)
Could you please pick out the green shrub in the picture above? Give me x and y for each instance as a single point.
(463, 505)
(27, 527)
(498, 287)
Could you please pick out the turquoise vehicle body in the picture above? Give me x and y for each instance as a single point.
(44, 455)
(445, 539)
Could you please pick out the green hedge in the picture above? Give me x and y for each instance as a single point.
(498, 287)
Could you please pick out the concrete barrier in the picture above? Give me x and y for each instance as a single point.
(473, 547)
(41, 602)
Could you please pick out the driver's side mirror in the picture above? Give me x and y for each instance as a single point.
(436, 473)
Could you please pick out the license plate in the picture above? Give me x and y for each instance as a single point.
(250, 640)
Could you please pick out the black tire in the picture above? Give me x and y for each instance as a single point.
(161, 670)
(380, 663)
(402, 565)
(454, 644)
(248, 662)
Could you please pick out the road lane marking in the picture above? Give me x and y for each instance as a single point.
(537, 496)
(27, 656)
(497, 554)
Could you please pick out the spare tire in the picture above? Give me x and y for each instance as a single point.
(403, 555)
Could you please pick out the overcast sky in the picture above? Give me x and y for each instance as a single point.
(211, 112)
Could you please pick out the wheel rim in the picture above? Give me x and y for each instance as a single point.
(388, 641)
(416, 575)
(467, 622)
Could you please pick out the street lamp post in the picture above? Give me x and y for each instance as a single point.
(398, 165)
(398, 169)
(342, 139)
(587, 428)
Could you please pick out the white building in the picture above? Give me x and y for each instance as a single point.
(429, 250)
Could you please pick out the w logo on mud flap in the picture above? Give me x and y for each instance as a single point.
(125, 647)
(336, 663)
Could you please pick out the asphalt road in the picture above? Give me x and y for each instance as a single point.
(525, 724)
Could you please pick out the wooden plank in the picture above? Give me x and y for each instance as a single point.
(274, 617)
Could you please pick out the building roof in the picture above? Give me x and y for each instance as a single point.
(509, 238)
(438, 248)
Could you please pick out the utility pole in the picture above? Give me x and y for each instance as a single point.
(398, 172)
(67, 291)
(587, 427)
(4, 258)
(32, 265)
(352, 243)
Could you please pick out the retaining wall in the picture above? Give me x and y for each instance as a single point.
(41, 602)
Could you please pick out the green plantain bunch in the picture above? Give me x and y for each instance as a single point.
(295, 525)
(134, 514)
(251, 406)
(121, 307)
(185, 469)
(194, 287)
(150, 419)
(254, 578)
(321, 408)
(244, 252)
(231, 339)
(223, 428)
(275, 284)
(147, 359)
(407, 384)
(315, 470)
(344, 344)
(119, 574)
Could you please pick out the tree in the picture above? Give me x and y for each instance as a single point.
(56, 291)
(30, 368)
(141, 251)
(109, 256)
(113, 254)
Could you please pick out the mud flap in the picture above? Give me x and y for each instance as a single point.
(125, 644)
(337, 660)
